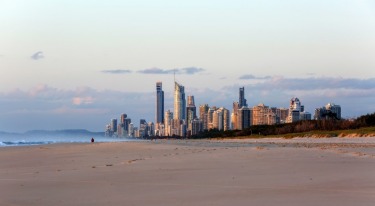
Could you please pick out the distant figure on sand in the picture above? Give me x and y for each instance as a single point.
(92, 140)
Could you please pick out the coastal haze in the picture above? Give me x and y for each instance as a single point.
(76, 65)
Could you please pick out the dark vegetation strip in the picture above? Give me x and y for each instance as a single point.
(308, 128)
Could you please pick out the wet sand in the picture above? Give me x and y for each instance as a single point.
(306, 171)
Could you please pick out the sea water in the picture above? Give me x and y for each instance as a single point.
(24, 140)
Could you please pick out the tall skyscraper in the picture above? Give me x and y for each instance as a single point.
(179, 102)
(159, 103)
(221, 119)
(244, 118)
(123, 117)
(210, 118)
(242, 101)
(217, 120)
(114, 125)
(203, 109)
(226, 119)
(197, 126)
(168, 123)
(234, 116)
(190, 101)
(124, 126)
(191, 112)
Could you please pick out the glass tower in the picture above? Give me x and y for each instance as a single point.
(179, 101)
(191, 112)
(242, 100)
(159, 103)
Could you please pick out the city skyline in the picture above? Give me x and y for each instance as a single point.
(80, 70)
(184, 122)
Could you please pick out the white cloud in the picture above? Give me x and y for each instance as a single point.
(186, 70)
(82, 100)
(64, 110)
(117, 71)
(38, 55)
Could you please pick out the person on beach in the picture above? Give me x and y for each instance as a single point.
(92, 140)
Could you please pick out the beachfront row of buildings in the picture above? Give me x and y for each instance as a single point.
(184, 121)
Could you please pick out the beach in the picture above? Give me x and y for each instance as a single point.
(300, 171)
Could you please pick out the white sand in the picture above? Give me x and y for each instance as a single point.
(205, 172)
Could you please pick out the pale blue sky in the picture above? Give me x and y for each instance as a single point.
(77, 45)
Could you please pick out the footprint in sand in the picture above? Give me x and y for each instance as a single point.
(359, 154)
(134, 160)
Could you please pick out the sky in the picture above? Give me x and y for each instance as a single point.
(77, 64)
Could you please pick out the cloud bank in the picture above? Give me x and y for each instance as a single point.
(47, 107)
(156, 70)
(117, 71)
(187, 70)
(250, 77)
(51, 108)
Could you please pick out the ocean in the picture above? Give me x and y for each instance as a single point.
(24, 140)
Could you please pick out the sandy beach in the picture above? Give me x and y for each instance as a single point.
(301, 171)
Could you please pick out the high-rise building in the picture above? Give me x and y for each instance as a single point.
(244, 118)
(241, 100)
(150, 129)
(126, 124)
(210, 118)
(168, 123)
(294, 110)
(159, 103)
(217, 120)
(123, 117)
(197, 126)
(263, 115)
(203, 110)
(220, 119)
(191, 112)
(108, 131)
(179, 102)
(123, 127)
(176, 127)
(143, 128)
(160, 129)
(305, 116)
(236, 106)
(190, 101)
(282, 115)
(142, 121)
(114, 125)
(336, 109)
(330, 111)
(131, 130)
(297, 111)
(234, 116)
(226, 119)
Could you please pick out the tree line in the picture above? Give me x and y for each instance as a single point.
(329, 124)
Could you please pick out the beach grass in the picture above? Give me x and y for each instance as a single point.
(361, 132)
